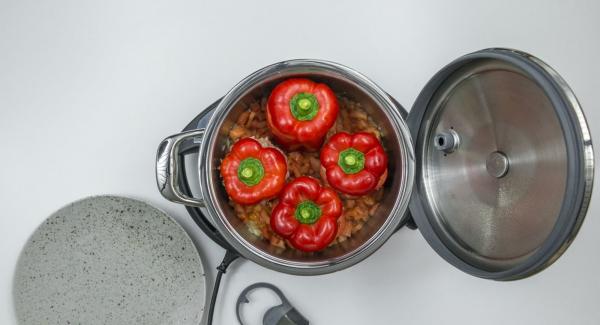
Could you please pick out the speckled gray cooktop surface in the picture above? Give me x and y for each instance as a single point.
(109, 260)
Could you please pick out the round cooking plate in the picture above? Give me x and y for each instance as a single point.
(505, 164)
(109, 259)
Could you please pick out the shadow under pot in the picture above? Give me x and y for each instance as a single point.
(498, 179)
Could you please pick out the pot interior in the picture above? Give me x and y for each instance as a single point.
(396, 189)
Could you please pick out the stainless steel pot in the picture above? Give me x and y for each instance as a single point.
(503, 165)
(343, 80)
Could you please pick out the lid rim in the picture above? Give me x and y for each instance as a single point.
(579, 164)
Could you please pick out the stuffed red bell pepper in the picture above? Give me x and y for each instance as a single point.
(354, 164)
(307, 214)
(252, 173)
(300, 112)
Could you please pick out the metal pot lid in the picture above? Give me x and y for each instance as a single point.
(504, 164)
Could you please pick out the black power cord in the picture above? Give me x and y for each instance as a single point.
(230, 256)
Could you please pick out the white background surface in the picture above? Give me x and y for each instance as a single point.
(89, 88)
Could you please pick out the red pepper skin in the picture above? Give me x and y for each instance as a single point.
(292, 133)
(371, 177)
(303, 236)
(273, 163)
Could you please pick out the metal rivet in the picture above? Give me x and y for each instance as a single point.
(497, 164)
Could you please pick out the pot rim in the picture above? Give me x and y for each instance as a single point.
(247, 249)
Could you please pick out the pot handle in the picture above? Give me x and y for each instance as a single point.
(167, 168)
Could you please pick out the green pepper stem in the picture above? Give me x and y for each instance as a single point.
(247, 172)
(307, 212)
(351, 161)
(304, 106)
(251, 171)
